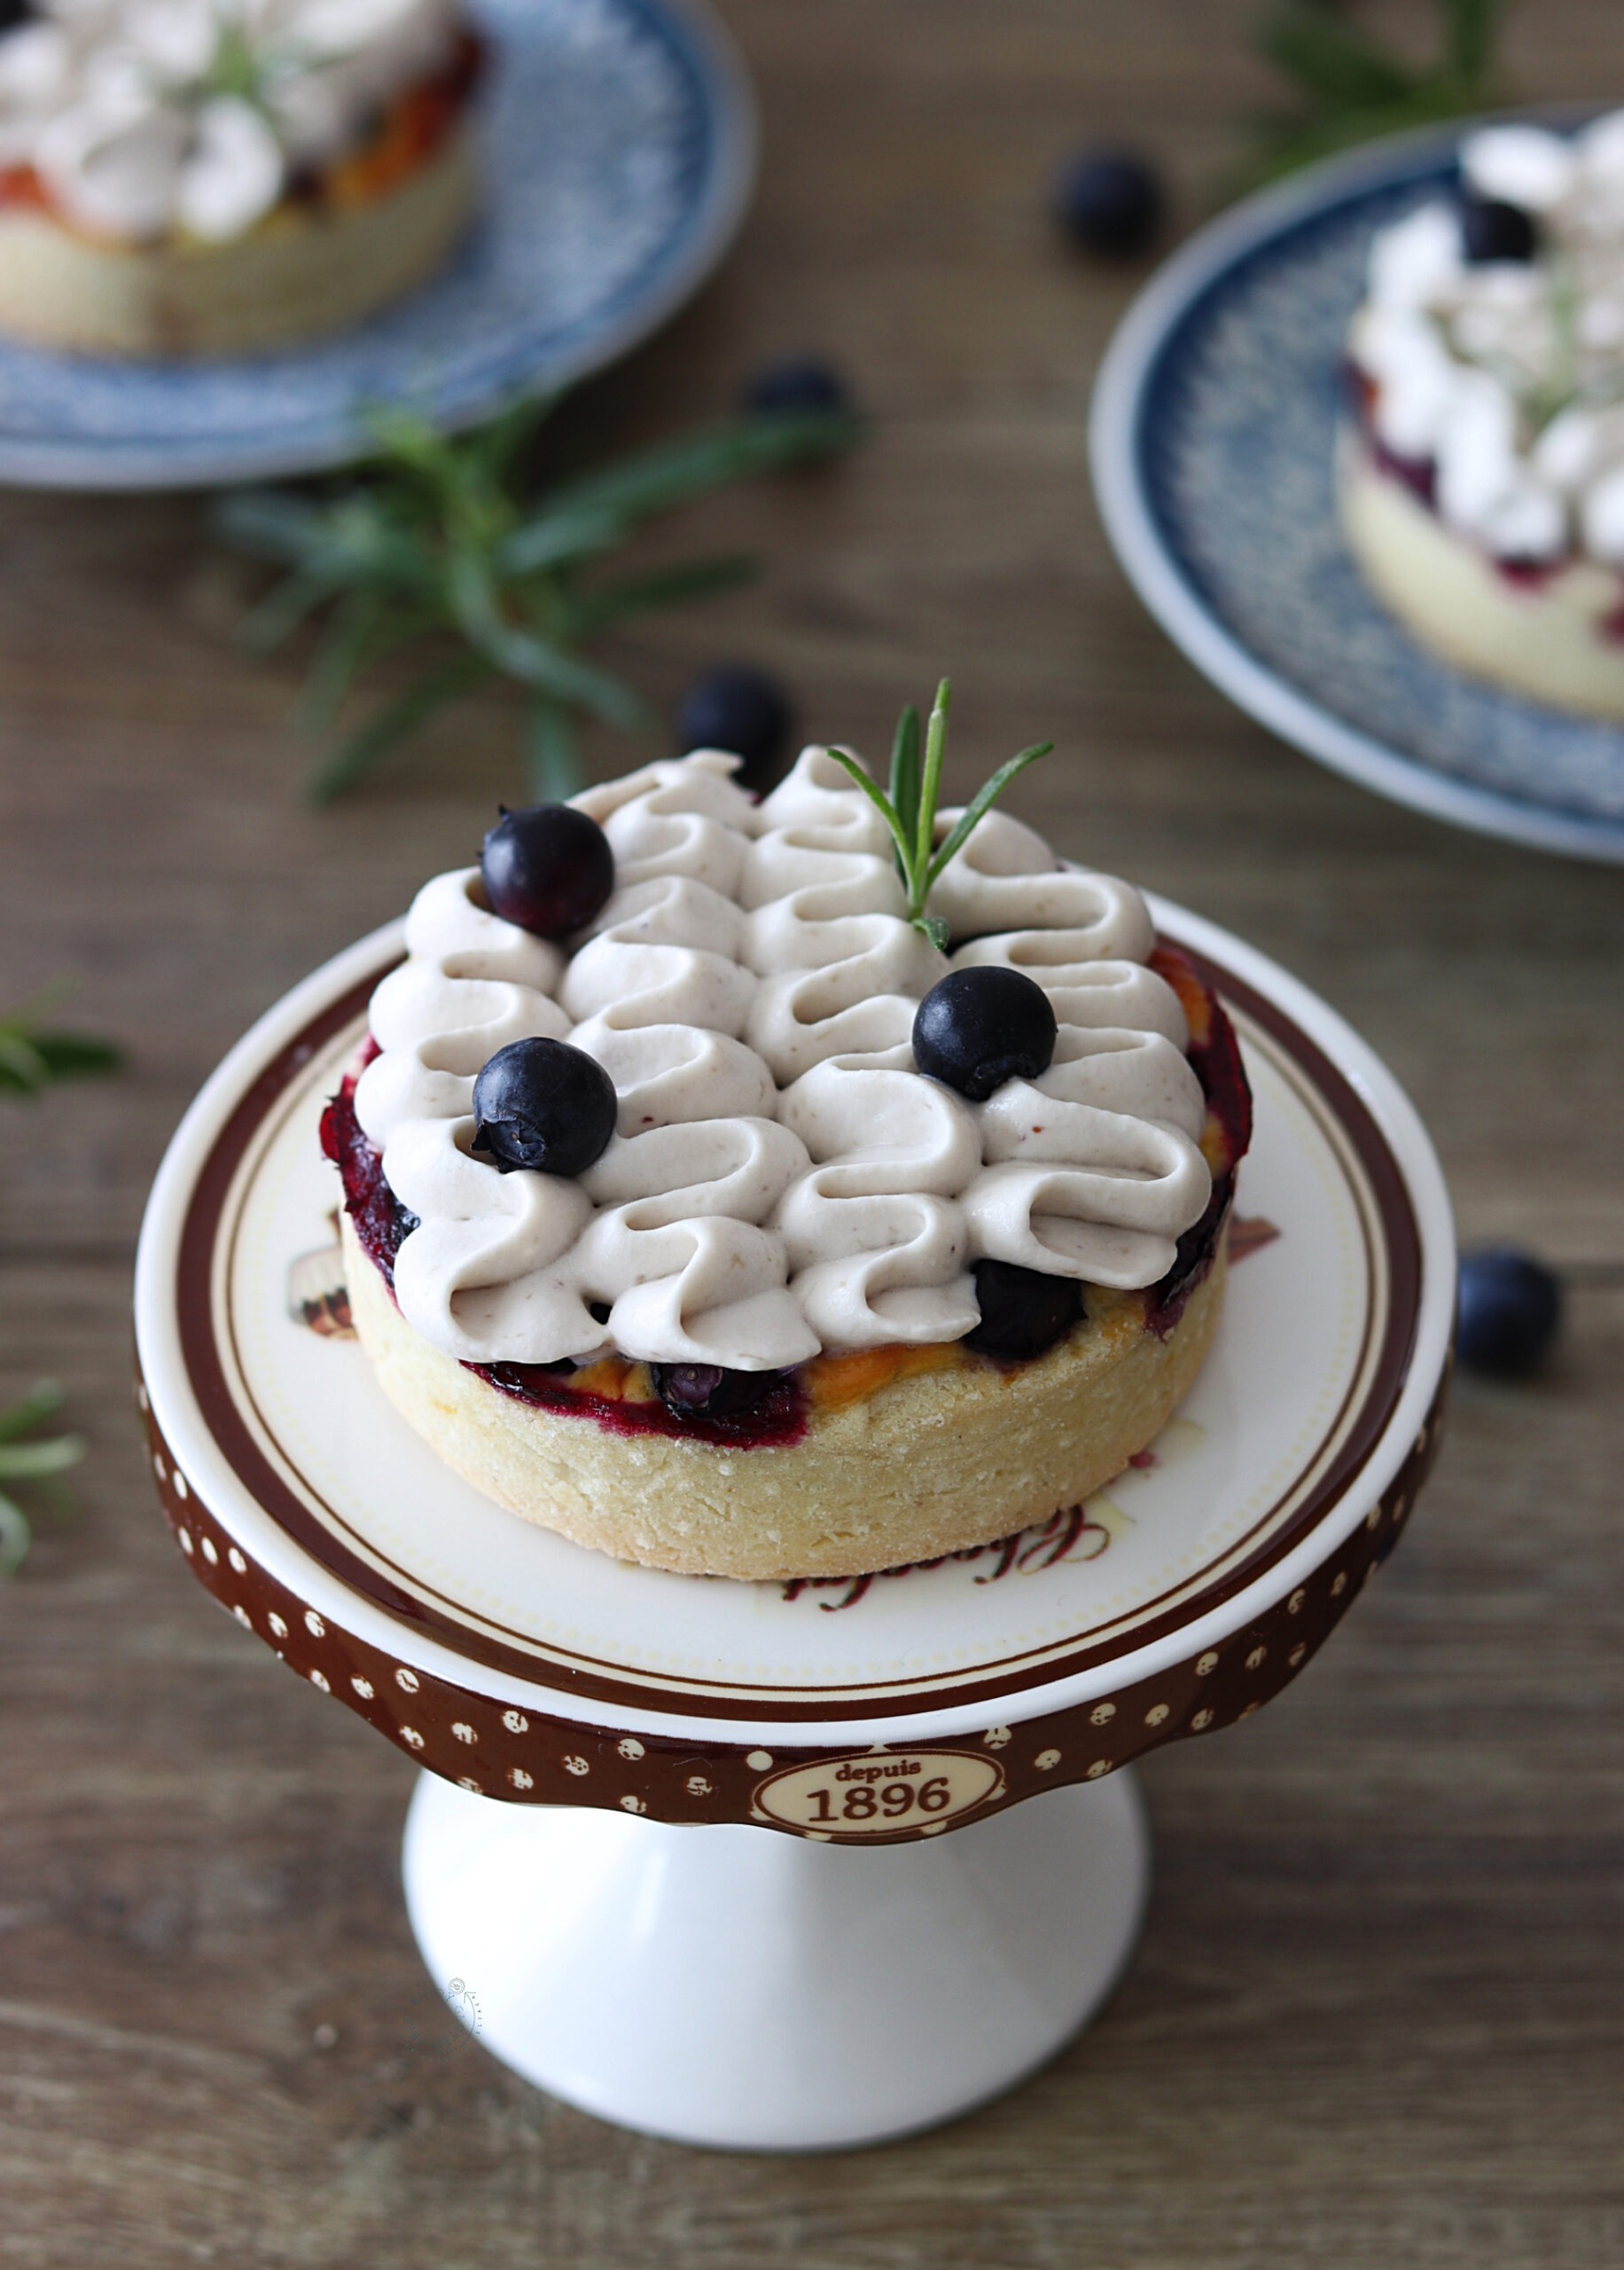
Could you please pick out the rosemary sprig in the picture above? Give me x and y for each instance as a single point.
(439, 543)
(31, 1058)
(909, 808)
(29, 1462)
(1351, 88)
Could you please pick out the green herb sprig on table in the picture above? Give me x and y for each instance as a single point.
(30, 1462)
(1352, 87)
(439, 543)
(909, 808)
(32, 1055)
(32, 1058)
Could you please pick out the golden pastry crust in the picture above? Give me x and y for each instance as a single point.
(1549, 638)
(304, 270)
(929, 1464)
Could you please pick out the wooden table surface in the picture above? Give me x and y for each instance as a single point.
(1377, 2021)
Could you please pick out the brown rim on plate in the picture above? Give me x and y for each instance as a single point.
(241, 1435)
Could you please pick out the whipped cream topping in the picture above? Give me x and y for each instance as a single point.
(143, 118)
(781, 1180)
(1509, 375)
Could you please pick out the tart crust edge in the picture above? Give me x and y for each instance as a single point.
(932, 1464)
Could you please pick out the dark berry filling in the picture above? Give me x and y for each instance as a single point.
(764, 1414)
(382, 1223)
(1193, 1258)
(1023, 1312)
(748, 1408)
(1419, 475)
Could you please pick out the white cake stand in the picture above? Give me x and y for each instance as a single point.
(716, 1900)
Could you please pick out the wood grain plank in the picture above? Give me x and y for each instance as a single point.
(1378, 2016)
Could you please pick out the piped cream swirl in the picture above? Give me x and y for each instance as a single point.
(782, 1180)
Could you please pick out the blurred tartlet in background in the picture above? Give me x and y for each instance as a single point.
(1481, 476)
(192, 178)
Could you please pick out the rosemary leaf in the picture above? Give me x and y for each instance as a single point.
(1354, 88)
(1470, 30)
(41, 1402)
(976, 810)
(556, 539)
(552, 765)
(881, 803)
(1335, 64)
(498, 447)
(659, 480)
(532, 659)
(667, 587)
(15, 1536)
(284, 606)
(393, 722)
(905, 773)
(23, 1070)
(271, 524)
(76, 1055)
(32, 1462)
(30, 1059)
(930, 791)
(346, 638)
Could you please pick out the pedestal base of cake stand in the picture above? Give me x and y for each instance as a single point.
(738, 1988)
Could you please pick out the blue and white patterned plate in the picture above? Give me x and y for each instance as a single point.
(619, 152)
(1210, 437)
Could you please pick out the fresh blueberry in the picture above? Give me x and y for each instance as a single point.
(1108, 201)
(798, 385)
(1022, 1310)
(1492, 230)
(707, 1391)
(543, 1105)
(740, 710)
(978, 1027)
(549, 869)
(1509, 1307)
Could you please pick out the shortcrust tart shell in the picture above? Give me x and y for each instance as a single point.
(932, 1462)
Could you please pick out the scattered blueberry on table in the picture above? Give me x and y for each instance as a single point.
(1508, 1313)
(978, 1027)
(798, 384)
(548, 868)
(1108, 201)
(543, 1105)
(743, 710)
(1492, 230)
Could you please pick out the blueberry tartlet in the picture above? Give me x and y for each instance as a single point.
(710, 1202)
(193, 178)
(1481, 468)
